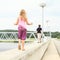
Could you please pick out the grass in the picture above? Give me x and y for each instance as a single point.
(16, 41)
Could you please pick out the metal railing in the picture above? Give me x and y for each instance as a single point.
(14, 35)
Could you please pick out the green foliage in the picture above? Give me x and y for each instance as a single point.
(8, 30)
(53, 34)
(56, 34)
(46, 33)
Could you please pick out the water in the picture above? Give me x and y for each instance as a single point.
(7, 46)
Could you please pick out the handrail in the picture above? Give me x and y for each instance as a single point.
(13, 35)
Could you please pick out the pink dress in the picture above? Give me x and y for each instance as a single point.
(22, 23)
(22, 29)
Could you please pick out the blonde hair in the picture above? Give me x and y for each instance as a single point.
(22, 12)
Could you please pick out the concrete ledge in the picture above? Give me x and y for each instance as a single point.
(16, 54)
(39, 53)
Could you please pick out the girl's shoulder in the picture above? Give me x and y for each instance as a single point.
(20, 17)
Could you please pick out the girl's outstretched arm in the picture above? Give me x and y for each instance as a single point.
(28, 22)
(16, 23)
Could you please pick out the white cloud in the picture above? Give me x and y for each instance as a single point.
(9, 11)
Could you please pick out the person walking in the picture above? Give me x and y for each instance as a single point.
(39, 29)
(22, 21)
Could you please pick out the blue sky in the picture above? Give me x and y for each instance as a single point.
(9, 11)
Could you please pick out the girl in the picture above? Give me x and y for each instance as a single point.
(21, 22)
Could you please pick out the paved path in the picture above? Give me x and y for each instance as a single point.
(16, 54)
(51, 53)
(33, 52)
(38, 54)
(57, 44)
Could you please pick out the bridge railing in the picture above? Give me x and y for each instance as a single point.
(14, 35)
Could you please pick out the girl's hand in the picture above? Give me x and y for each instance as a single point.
(15, 24)
(31, 23)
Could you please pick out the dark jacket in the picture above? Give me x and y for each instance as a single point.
(39, 30)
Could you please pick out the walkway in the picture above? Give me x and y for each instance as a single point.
(35, 51)
(16, 54)
(51, 53)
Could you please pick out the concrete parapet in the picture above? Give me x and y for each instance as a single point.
(16, 54)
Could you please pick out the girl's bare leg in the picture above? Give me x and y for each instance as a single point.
(19, 44)
(23, 41)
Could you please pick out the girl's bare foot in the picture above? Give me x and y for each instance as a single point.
(23, 49)
(19, 47)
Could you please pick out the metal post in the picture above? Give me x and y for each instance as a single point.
(49, 28)
(42, 5)
(42, 21)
